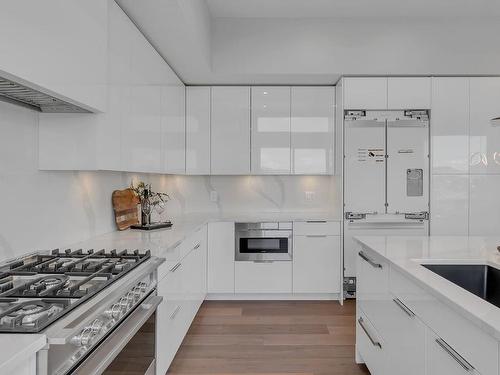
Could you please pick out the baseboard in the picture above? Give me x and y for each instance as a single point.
(273, 297)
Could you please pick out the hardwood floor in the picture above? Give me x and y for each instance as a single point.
(270, 338)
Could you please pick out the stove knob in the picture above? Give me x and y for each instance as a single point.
(114, 312)
(137, 292)
(96, 327)
(124, 303)
(132, 297)
(142, 285)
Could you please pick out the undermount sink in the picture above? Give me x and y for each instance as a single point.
(480, 279)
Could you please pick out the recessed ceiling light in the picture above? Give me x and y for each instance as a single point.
(265, 92)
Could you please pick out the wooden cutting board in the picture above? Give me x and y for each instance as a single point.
(125, 207)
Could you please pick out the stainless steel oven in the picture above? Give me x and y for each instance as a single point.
(266, 241)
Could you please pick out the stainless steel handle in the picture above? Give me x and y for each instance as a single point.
(316, 221)
(453, 354)
(316, 235)
(374, 342)
(403, 307)
(175, 312)
(372, 263)
(263, 261)
(174, 268)
(196, 247)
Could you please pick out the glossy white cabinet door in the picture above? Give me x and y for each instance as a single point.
(141, 131)
(444, 360)
(173, 128)
(221, 248)
(230, 131)
(316, 264)
(484, 217)
(271, 130)
(372, 346)
(273, 277)
(450, 125)
(450, 205)
(365, 93)
(197, 130)
(408, 93)
(484, 138)
(312, 127)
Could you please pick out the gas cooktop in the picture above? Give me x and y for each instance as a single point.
(38, 289)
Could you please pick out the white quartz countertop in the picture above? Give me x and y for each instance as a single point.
(17, 348)
(408, 253)
(162, 242)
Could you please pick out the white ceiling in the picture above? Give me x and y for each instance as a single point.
(353, 8)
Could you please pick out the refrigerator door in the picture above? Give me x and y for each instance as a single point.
(377, 225)
(407, 166)
(364, 166)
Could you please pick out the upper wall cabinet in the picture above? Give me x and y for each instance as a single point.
(312, 127)
(230, 133)
(173, 125)
(271, 130)
(58, 46)
(484, 147)
(365, 93)
(450, 125)
(372, 93)
(408, 93)
(198, 130)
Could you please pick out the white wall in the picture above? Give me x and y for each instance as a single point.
(251, 194)
(40, 209)
(318, 50)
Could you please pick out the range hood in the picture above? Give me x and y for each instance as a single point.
(19, 94)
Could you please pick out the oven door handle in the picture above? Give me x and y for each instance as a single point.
(107, 351)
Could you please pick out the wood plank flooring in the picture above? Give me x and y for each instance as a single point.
(270, 338)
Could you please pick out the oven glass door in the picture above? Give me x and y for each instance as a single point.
(256, 245)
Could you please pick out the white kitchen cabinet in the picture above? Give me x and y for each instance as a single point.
(58, 46)
(450, 125)
(450, 205)
(270, 130)
(443, 359)
(263, 277)
(365, 92)
(316, 264)
(198, 130)
(484, 146)
(141, 147)
(484, 218)
(371, 346)
(312, 130)
(230, 131)
(408, 93)
(221, 247)
(173, 128)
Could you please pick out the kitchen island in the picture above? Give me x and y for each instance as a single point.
(411, 320)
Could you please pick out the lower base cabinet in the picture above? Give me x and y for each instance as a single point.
(371, 346)
(183, 289)
(265, 277)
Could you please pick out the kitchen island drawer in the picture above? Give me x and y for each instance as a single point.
(371, 346)
(475, 345)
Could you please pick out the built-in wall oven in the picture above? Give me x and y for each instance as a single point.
(264, 241)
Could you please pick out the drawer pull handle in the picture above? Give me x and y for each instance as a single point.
(263, 261)
(453, 354)
(403, 307)
(316, 235)
(316, 221)
(196, 247)
(174, 313)
(174, 268)
(372, 263)
(374, 342)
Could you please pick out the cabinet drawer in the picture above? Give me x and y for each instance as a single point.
(476, 346)
(371, 346)
(372, 292)
(316, 227)
(270, 277)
